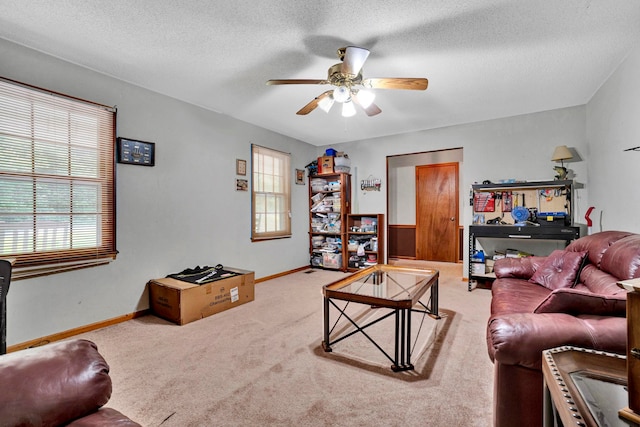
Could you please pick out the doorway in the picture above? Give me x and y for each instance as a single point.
(403, 201)
(437, 212)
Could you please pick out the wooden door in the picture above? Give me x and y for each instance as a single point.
(437, 212)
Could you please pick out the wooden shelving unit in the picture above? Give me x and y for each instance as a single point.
(494, 224)
(329, 205)
(365, 230)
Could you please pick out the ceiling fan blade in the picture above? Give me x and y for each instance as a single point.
(371, 110)
(313, 104)
(396, 83)
(297, 82)
(353, 60)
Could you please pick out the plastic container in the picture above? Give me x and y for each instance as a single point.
(341, 161)
(478, 256)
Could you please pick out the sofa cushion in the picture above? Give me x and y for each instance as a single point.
(559, 270)
(622, 259)
(519, 268)
(576, 301)
(598, 281)
(596, 244)
(516, 296)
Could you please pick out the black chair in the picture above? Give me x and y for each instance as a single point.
(5, 279)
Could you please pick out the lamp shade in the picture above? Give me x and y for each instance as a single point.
(561, 153)
(365, 98)
(341, 94)
(326, 103)
(348, 109)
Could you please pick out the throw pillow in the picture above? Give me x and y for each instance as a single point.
(574, 301)
(559, 270)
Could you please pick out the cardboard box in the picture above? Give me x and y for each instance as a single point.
(183, 302)
(325, 164)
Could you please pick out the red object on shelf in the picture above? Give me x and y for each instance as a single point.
(586, 216)
(484, 202)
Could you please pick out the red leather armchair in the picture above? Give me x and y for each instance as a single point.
(528, 317)
(64, 383)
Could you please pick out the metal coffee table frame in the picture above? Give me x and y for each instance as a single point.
(401, 307)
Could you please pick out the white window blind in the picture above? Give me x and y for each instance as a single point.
(271, 198)
(57, 195)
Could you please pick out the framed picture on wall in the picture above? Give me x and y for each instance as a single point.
(242, 185)
(136, 152)
(300, 176)
(241, 167)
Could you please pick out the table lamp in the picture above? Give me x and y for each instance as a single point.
(561, 153)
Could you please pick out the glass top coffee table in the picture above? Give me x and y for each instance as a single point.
(397, 289)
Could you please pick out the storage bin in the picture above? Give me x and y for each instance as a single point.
(330, 260)
(316, 260)
(478, 268)
(318, 184)
(341, 161)
(317, 241)
(334, 186)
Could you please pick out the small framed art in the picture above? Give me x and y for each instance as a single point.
(241, 167)
(300, 176)
(242, 185)
(136, 152)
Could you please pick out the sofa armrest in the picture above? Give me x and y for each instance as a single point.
(520, 338)
(105, 417)
(53, 384)
(517, 268)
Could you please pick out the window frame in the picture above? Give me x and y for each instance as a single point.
(282, 216)
(88, 141)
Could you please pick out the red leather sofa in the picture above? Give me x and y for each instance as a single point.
(64, 383)
(570, 297)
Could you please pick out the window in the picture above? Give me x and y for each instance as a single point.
(271, 198)
(57, 209)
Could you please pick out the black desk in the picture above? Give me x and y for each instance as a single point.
(516, 233)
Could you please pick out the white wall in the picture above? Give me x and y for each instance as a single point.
(181, 213)
(185, 211)
(517, 147)
(613, 125)
(401, 183)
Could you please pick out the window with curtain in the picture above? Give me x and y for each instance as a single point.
(271, 197)
(57, 194)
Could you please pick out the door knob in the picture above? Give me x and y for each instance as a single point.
(452, 218)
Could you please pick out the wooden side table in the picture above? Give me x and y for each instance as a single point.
(632, 411)
(584, 388)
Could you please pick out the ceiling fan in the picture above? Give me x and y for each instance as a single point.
(349, 86)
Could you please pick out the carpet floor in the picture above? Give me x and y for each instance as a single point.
(262, 363)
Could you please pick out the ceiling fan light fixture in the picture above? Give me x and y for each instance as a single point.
(365, 98)
(326, 103)
(341, 94)
(348, 110)
(348, 86)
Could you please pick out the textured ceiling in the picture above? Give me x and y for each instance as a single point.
(484, 59)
